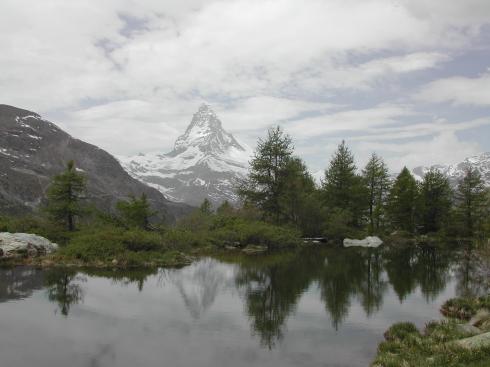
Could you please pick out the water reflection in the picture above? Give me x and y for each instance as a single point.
(19, 282)
(64, 288)
(269, 288)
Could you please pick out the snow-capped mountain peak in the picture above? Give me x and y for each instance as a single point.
(206, 132)
(206, 162)
(455, 172)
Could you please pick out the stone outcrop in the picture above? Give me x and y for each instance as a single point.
(370, 241)
(24, 244)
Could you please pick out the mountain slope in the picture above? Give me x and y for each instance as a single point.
(206, 162)
(456, 172)
(33, 150)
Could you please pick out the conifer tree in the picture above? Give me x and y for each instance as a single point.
(206, 207)
(265, 183)
(64, 196)
(402, 201)
(376, 179)
(136, 212)
(435, 201)
(342, 187)
(471, 202)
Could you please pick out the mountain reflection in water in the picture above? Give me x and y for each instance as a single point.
(329, 305)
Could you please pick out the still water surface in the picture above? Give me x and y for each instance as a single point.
(325, 307)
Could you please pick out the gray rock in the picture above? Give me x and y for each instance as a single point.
(33, 150)
(252, 250)
(21, 244)
(370, 241)
(468, 329)
(480, 317)
(475, 342)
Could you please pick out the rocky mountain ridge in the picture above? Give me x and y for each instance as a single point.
(33, 150)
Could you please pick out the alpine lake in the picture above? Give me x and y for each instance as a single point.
(315, 307)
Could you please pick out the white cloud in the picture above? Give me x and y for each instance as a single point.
(348, 121)
(458, 90)
(444, 147)
(127, 75)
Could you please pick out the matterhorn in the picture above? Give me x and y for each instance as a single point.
(206, 162)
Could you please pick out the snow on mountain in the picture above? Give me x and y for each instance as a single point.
(456, 172)
(206, 162)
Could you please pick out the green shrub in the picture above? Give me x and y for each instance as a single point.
(400, 331)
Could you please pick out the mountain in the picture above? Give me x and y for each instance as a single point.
(206, 162)
(456, 172)
(33, 150)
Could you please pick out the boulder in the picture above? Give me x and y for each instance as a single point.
(370, 241)
(468, 329)
(253, 250)
(24, 244)
(482, 316)
(475, 342)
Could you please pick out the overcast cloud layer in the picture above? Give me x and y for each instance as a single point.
(407, 78)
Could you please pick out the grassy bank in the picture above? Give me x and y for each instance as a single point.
(461, 339)
(109, 244)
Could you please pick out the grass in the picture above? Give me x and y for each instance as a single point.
(107, 243)
(464, 308)
(405, 346)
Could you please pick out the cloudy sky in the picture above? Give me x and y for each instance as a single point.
(409, 79)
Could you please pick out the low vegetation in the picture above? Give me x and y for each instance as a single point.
(449, 342)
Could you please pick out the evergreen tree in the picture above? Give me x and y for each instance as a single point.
(435, 201)
(268, 169)
(225, 209)
(376, 179)
(342, 187)
(136, 212)
(206, 207)
(402, 201)
(298, 185)
(64, 196)
(471, 202)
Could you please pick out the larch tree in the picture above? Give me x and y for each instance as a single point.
(402, 201)
(64, 196)
(377, 182)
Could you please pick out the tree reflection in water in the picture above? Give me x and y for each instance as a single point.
(272, 285)
(63, 287)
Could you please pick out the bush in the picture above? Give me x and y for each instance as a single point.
(400, 331)
(107, 243)
(256, 233)
(464, 308)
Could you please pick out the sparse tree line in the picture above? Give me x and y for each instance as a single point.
(349, 202)
(280, 203)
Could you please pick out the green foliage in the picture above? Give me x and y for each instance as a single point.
(206, 207)
(471, 203)
(342, 188)
(268, 169)
(136, 212)
(338, 225)
(402, 201)
(401, 331)
(377, 182)
(433, 349)
(54, 232)
(464, 308)
(435, 201)
(64, 196)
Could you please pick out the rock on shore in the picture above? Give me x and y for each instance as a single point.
(370, 241)
(24, 244)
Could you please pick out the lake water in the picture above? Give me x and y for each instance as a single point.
(322, 307)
